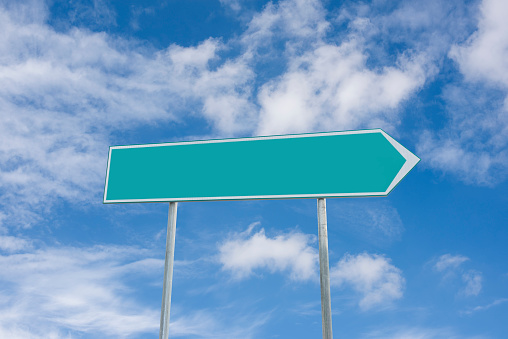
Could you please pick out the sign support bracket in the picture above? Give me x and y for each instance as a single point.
(324, 274)
(168, 271)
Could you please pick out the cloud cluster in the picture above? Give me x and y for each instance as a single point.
(376, 280)
(66, 95)
(63, 95)
(474, 145)
(331, 88)
(328, 83)
(484, 55)
(244, 253)
(372, 276)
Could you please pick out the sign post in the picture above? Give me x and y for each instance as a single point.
(352, 164)
(168, 271)
(324, 274)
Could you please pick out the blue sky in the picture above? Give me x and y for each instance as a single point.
(428, 261)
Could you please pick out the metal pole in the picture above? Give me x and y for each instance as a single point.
(168, 272)
(324, 275)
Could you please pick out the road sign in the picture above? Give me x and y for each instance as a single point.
(317, 165)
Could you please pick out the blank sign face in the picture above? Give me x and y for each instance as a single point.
(335, 164)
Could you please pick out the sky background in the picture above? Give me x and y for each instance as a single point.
(428, 261)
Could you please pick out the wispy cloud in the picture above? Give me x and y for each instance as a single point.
(13, 244)
(480, 308)
(245, 253)
(91, 13)
(373, 276)
(310, 309)
(11, 331)
(377, 220)
(209, 323)
(452, 265)
(473, 281)
(408, 332)
(87, 291)
(448, 261)
(76, 290)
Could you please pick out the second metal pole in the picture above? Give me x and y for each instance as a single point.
(324, 274)
(168, 272)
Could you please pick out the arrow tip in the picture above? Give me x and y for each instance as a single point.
(411, 161)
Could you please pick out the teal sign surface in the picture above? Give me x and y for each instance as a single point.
(334, 164)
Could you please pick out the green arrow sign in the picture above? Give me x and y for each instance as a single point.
(317, 165)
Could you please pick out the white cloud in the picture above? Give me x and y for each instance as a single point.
(289, 19)
(473, 280)
(496, 302)
(13, 332)
(71, 290)
(244, 253)
(452, 265)
(13, 244)
(485, 54)
(235, 5)
(373, 276)
(474, 144)
(330, 87)
(448, 261)
(96, 11)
